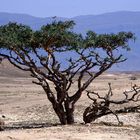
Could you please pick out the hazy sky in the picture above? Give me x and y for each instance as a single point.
(67, 8)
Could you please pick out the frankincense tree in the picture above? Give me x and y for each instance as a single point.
(93, 53)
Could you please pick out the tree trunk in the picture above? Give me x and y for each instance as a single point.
(70, 117)
(69, 107)
(59, 110)
(65, 113)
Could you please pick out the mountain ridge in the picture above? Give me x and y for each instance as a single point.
(112, 22)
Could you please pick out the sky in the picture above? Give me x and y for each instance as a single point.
(67, 8)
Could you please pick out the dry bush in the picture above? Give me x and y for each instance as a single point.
(101, 105)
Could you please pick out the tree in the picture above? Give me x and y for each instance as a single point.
(29, 50)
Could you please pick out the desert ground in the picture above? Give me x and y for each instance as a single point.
(29, 115)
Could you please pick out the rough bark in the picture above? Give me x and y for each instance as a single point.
(69, 107)
(64, 112)
(59, 110)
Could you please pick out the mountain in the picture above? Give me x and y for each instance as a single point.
(116, 21)
(104, 23)
(34, 22)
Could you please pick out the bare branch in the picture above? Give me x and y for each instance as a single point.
(15, 62)
(102, 104)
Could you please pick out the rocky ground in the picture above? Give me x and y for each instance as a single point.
(29, 115)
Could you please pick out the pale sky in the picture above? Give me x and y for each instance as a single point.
(67, 8)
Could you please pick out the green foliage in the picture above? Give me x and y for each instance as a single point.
(14, 36)
(108, 41)
(59, 37)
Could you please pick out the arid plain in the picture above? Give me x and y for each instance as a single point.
(29, 115)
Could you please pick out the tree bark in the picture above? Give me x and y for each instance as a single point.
(69, 107)
(59, 110)
(65, 112)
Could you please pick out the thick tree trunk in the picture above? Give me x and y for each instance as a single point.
(65, 113)
(70, 117)
(69, 107)
(59, 110)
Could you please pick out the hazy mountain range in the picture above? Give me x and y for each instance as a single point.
(104, 23)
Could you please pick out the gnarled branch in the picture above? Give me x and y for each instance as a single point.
(101, 105)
